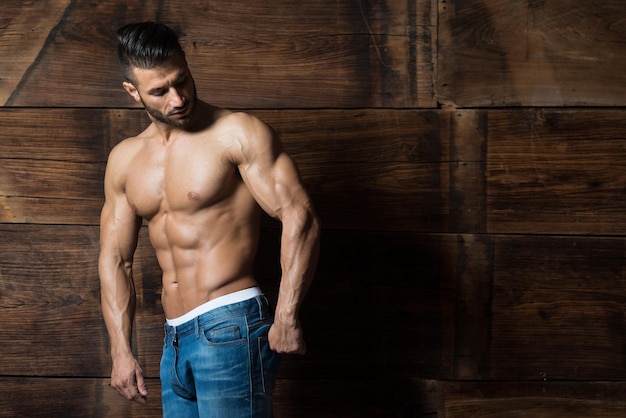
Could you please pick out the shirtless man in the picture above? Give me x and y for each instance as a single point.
(199, 175)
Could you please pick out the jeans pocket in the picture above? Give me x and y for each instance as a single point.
(270, 363)
(223, 336)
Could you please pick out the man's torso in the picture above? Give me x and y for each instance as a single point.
(203, 222)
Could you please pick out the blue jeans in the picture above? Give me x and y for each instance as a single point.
(219, 365)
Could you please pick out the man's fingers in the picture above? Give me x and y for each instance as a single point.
(140, 398)
(286, 347)
(132, 394)
(133, 390)
(141, 387)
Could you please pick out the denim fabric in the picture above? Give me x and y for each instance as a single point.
(219, 365)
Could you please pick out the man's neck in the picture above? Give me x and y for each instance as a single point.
(166, 131)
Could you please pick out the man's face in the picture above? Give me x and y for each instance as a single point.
(167, 92)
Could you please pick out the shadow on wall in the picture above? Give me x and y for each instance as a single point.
(373, 317)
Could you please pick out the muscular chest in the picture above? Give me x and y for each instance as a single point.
(178, 179)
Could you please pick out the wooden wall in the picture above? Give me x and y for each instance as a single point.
(466, 158)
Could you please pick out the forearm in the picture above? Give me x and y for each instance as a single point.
(118, 307)
(299, 255)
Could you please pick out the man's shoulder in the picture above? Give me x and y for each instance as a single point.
(235, 119)
(236, 135)
(126, 148)
(127, 144)
(237, 126)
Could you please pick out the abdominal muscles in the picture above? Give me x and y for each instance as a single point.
(203, 255)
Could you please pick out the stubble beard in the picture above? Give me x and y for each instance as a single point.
(163, 118)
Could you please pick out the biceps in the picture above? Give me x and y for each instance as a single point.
(277, 186)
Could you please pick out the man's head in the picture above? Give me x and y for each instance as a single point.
(145, 45)
(156, 72)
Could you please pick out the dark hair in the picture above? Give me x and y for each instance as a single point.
(145, 45)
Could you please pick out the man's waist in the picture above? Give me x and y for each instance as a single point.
(228, 299)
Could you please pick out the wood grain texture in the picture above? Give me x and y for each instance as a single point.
(470, 266)
(27, 27)
(72, 397)
(50, 298)
(49, 277)
(502, 171)
(93, 397)
(472, 306)
(539, 53)
(558, 308)
(466, 158)
(536, 399)
(53, 162)
(365, 169)
(556, 171)
(329, 53)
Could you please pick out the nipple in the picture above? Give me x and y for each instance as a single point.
(193, 196)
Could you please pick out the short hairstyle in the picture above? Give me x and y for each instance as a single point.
(145, 45)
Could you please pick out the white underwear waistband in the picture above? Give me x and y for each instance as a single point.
(228, 299)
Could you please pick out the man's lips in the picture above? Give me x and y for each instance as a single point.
(180, 112)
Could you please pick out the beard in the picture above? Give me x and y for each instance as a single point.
(166, 119)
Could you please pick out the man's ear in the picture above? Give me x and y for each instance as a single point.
(132, 90)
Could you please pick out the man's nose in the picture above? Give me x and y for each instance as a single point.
(177, 100)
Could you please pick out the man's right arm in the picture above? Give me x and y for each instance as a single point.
(119, 228)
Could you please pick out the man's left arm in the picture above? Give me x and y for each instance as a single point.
(273, 179)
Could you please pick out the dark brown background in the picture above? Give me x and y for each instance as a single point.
(466, 158)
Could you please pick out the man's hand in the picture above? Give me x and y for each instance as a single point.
(127, 379)
(286, 339)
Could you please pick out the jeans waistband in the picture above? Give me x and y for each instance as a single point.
(251, 305)
(228, 299)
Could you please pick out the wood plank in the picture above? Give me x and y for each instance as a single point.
(537, 168)
(89, 397)
(334, 136)
(467, 131)
(51, 192)
(55, 211)
(26, 27)
(323, 54)
(76, 135)
(53, 162)
(510, 53)
(469, 343)
(51, 179)
(358, 165)
(364, 136)
(356, 196)
(556, 172)
(411, 27)
(557, 308)
(532, 399)
(64, 397)
(49, 293)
